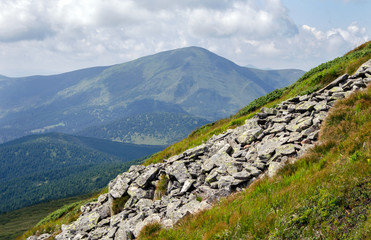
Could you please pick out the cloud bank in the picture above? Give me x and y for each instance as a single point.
(63, 35)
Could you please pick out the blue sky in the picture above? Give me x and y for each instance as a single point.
(48, 37)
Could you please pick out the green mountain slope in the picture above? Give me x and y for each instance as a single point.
(50, 166)
(149, 128)
(189, 80)
(323, 196)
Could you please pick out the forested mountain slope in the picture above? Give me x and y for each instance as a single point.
(43, 167)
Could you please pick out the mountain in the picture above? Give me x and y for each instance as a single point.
(148, 128)
(190, 80)
(50, 166)
(298, 166)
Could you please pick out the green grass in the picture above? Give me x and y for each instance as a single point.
(161, 186)
(323, 180)
(68, 213)
(118, 204)
(324, 195)
(15, 223)
(311, 81)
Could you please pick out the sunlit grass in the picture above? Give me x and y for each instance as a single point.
(324, 195)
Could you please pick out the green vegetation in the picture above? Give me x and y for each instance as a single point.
(159, 128)
(15, 223)
(324, 195)
(41, 168)
(118, 204)
(311, 81)
(161, 187)
(64, 215)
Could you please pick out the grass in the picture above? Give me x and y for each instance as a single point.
(64, 215)
(15, 223)
(311, 81)
(324, 195)
(161, 187)
(118, 204)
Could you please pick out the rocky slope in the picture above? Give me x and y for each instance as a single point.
(226, 163)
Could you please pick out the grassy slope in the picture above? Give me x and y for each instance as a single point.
(13, 224)
(311, 81)
(253, 212)
(324, 195)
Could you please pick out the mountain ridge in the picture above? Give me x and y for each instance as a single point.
(192, 80)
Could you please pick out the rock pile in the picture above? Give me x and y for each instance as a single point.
(193, 180)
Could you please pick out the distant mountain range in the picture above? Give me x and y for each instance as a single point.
(148, 128)
(50, 166)
(191, 81)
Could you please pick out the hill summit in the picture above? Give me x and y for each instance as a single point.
(190, 80)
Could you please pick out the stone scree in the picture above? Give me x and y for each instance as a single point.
(225, 163)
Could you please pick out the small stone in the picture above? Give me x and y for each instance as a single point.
(305, 106)
(243, 175)
(286, 149)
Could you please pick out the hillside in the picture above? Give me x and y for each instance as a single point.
(148, 128)
(189, 80)
(43, 167)
(323, 195)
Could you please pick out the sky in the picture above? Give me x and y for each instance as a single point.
(42, 37)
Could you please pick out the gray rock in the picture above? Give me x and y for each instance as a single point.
(321, 106)
(226, 182)
(136, 168)
(147, 176)
(195, 152)
(254, 171)
(252, 132)
(144, 203)
(267, 149)
(299, 124)
(276, 128)
(179, 171)
(269, 111)
(98, 233)
(119, 186)
(137, 192)
(305, 106)
(286, 149)
(123, 233)
(84, 223)
(243, 175)
(283, 119)
(194, 168)
(187, 185)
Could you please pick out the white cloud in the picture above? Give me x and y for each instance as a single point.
(63, 35)
(23, 19)
(243, 19)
